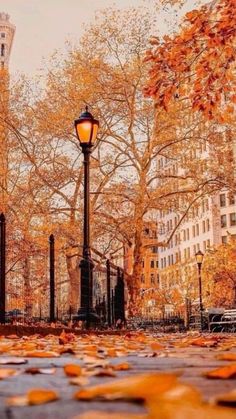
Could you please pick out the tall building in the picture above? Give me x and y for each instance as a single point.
(7, 31)
(209, 223)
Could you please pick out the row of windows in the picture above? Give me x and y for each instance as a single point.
(153, 264)
(171, 259)
(154, 279)
(195, 212)
(232, 220)
(223, 199)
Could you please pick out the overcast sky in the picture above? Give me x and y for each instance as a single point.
(44, 25)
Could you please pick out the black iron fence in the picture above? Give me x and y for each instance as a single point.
(108, 297)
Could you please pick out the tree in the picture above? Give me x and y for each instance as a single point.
(198, 63)
(128, 187)
(219, 275)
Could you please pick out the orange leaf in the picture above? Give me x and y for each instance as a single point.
(72, 370)
(41, 396)
(124, 366)
(41, 354)
(142, 387)
(224, 372)
(7, 372)
(227, 357)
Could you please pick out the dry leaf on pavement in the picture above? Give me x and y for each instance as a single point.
(33, 397)
(227, 399)
(96, 414)
(137, 387)
(72, 370)
(12, 361)
(35, 370)
(7, 372)
(224, 372)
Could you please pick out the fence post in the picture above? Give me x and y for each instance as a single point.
(108, 293)
(119, 297)
(112, 307)
(52, 277)
(2, 268)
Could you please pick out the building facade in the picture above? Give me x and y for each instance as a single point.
(7, 31)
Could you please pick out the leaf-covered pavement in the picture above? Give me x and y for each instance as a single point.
(133, 375)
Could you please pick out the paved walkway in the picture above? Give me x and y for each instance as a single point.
(189, 361)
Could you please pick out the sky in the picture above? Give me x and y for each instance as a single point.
(44, 25)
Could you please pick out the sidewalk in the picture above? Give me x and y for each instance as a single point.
(104, 359)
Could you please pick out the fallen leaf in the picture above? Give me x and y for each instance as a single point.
(105, 372)
(41, 396)
(141, 387)
(17, 401)
(72, 370)
(180, 410)
(225, 372)
(96, 414)
(66, 338)
(227, 399)
(79, 381)
(13, 361)
(36, 370)
(227, 357)
(7, 372)
(124, 366)
(42, 354)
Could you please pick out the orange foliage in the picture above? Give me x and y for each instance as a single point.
(198, 63)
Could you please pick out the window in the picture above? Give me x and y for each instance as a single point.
(193, 231)
(3, 35)
(176, 257)
(184, 235)
(204, 245)
(203, 226)
(222, 200)
(154, 249)
(2, 50)
(208, 224)
(143, 278)
(157, 264)
(223, 221)
(194, 249)
(197, 229)
(232, 218)
(224, 239)
(152, 264)
(152, 279)
(208, 243)
(231, 199)
(158, 279)
(187, 233)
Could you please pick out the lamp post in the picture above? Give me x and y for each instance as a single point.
(199, 259)
(86, 129)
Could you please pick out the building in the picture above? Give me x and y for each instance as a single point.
(209, 223)
(7, 31)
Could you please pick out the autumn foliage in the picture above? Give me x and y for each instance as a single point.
(198, 63)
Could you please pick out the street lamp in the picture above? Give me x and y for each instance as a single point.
(199, 259)
(86, 129)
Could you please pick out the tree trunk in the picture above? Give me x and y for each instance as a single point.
(27, 287)
(134, 282)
